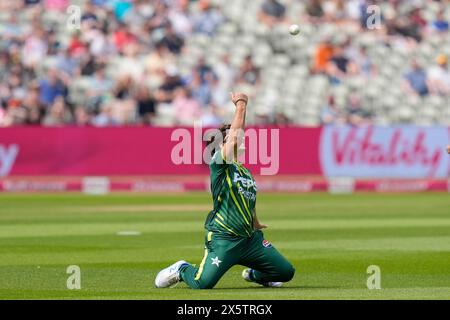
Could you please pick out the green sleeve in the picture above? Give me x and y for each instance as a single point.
(217, 166)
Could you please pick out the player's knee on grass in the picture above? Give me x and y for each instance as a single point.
(207, 283)
(286, 273)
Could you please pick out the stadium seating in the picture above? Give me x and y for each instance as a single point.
(287, 86)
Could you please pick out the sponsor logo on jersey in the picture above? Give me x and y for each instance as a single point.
(247, 194)
(246, 183)
(266, 244)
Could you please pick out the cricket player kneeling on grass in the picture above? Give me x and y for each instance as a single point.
(233, 231)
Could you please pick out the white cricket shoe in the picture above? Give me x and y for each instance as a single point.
(247, 277)
(170, 275)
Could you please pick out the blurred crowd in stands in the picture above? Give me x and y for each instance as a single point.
(149, 36)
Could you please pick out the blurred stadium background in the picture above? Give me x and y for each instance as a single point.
(157, 65)
(165, 63)
(92, 107)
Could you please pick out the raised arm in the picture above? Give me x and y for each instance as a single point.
(236, 134)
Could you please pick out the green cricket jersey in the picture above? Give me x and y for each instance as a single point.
(234, 194)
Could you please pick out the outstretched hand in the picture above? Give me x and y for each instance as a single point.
(236, 97)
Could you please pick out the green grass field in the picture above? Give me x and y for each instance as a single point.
(330, 239)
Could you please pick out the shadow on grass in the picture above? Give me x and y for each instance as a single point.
(281, 288)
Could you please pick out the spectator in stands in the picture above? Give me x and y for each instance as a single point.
(59, 114)
(439, 76)
(404, 26)
(172, 41)
(338, 66)
(440, 23)
(88, 64)
(356, 115)
(99, 45)
(249, 73)
(123, 88)
(146, 105)
(124, 105)
(203, 79)
(171, 82)
(3, 122)
(225, 73)
(340, 59)
(211, 117)
(53, 43)
(156, 63)
(329, 114)
(89, 17)
(34, 116)
(415, 79)
(416, 17)
(123, 37)
(66, 64)
(314, 10)
(334, 10)
(353, 10)
(187, 109)
(131, 64)
(272, 12)
(138, 15)
(220, 95)
(322, 56)
(15, 81)
(181, 19)
(202, 89)
(208, 19)
(360, 62)
(35, 111)
(125, 112)
(105, 118)
(51, 87)
(99, 87)
(35, 48)
(281, 120)
(159, 19)
(15, 113)
(77, 47)
(203, 69)
(82, 117)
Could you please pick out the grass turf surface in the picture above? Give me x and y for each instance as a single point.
(330, 239)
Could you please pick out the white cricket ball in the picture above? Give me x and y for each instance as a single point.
(294, 29)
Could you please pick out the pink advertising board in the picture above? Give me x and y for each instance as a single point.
(371, 152)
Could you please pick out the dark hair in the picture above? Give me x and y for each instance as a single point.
(224, 130)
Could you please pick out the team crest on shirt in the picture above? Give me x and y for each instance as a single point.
(266, 244)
